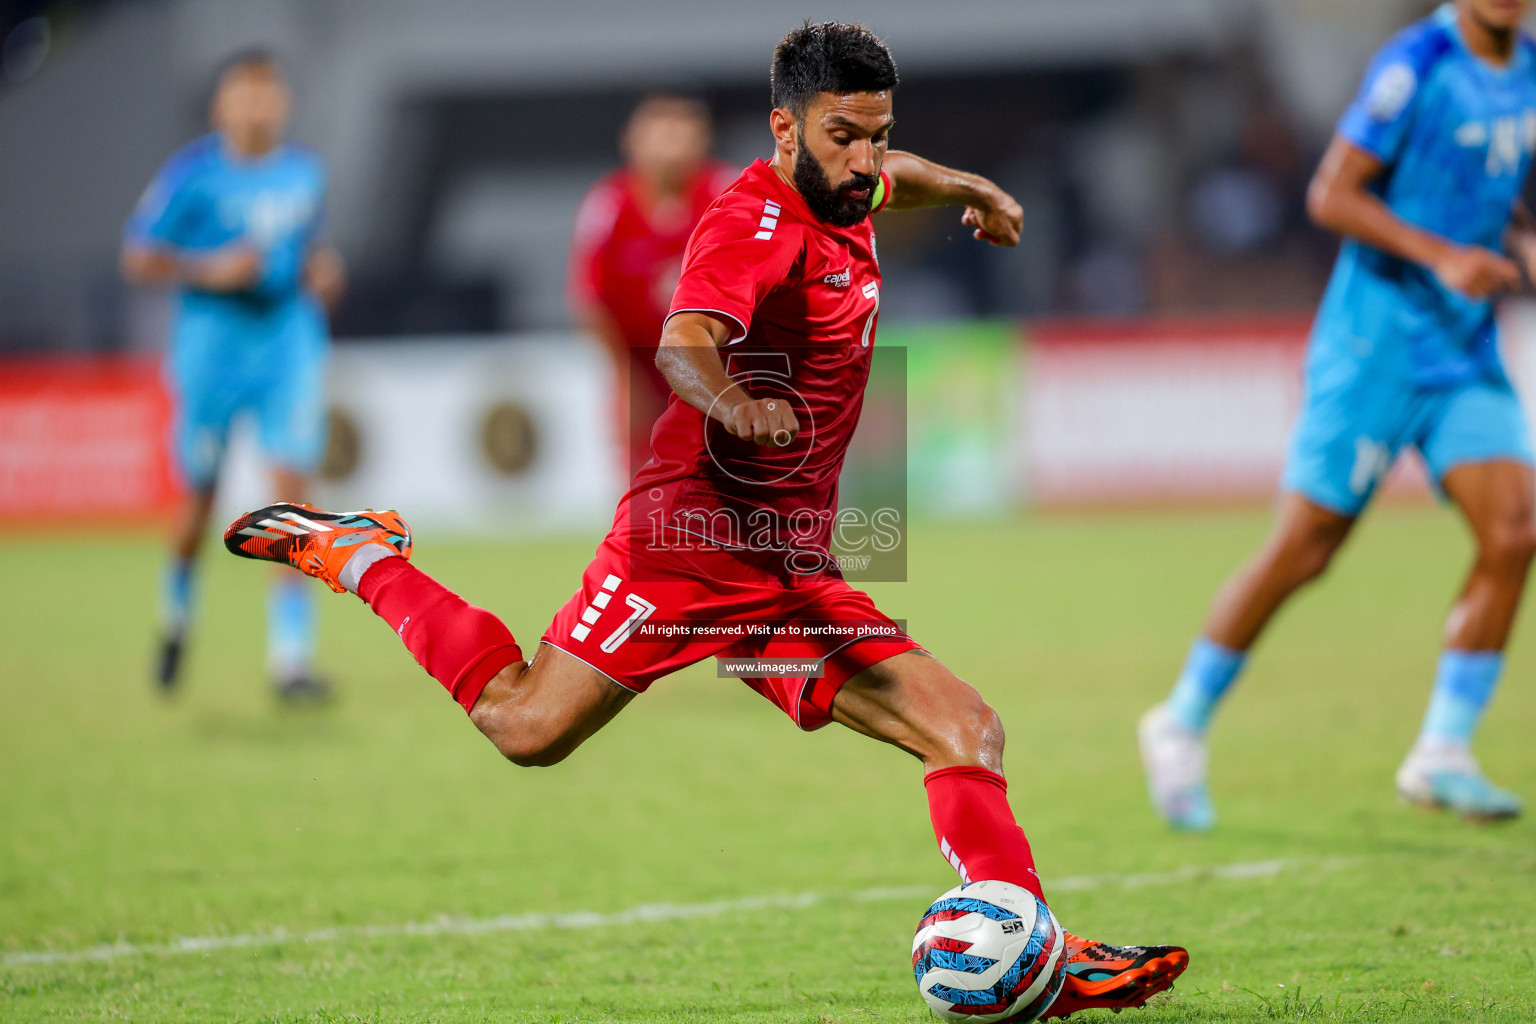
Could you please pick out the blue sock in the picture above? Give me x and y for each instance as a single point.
(1208, 671)
(290, 627)
(1464, 683)
(176, 595)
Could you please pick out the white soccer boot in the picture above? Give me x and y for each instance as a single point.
(1175, 757)
(1446, 775)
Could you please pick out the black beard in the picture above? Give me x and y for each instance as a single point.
(832, 205)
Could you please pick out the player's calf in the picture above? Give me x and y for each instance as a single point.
(368, 553)
(1506, 547)
(913, 702)
(538, 713)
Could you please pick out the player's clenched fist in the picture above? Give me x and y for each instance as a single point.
(235, 268)
(763, 420)
(1476, 272)
(998, 221)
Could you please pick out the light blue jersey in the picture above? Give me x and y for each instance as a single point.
(1396, 358)
(261, 350)
(203, 199)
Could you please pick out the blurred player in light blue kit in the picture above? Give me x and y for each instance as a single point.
(233, 222)
(1423, 180)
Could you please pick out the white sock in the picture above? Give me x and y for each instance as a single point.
(1439, 754)
(363, 559)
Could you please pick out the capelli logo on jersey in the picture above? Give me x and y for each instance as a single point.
(841, 279)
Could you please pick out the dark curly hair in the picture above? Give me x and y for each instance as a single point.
(833, 56)
(249, 57)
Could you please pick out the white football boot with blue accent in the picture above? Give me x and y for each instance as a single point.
(1448, 777)
(1175, 759)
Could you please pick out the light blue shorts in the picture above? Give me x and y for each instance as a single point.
(274, 371)
(1354, 424)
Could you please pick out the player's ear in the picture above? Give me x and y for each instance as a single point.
(782, 122)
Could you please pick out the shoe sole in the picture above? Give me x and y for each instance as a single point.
(168, 666)
(1429, 805)
(303, 699)
(1132, 990)
(1154, 977)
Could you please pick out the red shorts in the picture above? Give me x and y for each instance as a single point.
(642, 614)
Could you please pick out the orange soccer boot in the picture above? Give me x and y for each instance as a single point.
(1105, 977)
(316, 543)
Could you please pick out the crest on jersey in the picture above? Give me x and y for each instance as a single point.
(1391, 91)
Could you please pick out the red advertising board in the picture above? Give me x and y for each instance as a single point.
(1164, 410)
(83, 440)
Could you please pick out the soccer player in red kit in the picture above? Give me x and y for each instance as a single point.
(627, 250)
(767, 349)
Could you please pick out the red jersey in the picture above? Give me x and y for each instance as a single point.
(625, 259)
(802, 298)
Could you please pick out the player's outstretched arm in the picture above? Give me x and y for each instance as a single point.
(1340, 200)
(689, 357)
(993, 215)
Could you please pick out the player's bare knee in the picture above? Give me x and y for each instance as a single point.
(973, 734)
(1315, 558)
(1304, 558)
(1509, 545)
(534, 751)
(522, 732)
(528, 741)
(987, 730)
(1303, 547)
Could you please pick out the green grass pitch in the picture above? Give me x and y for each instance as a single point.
(128, 819)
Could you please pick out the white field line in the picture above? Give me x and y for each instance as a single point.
(646, 912)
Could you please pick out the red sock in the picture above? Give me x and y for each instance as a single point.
(459, 645)
(976, 830)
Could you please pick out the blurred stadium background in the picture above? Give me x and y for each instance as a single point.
(1141, 344)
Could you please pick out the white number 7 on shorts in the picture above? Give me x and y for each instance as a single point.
(642, 611)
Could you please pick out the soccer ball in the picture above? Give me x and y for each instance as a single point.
(987, 952)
